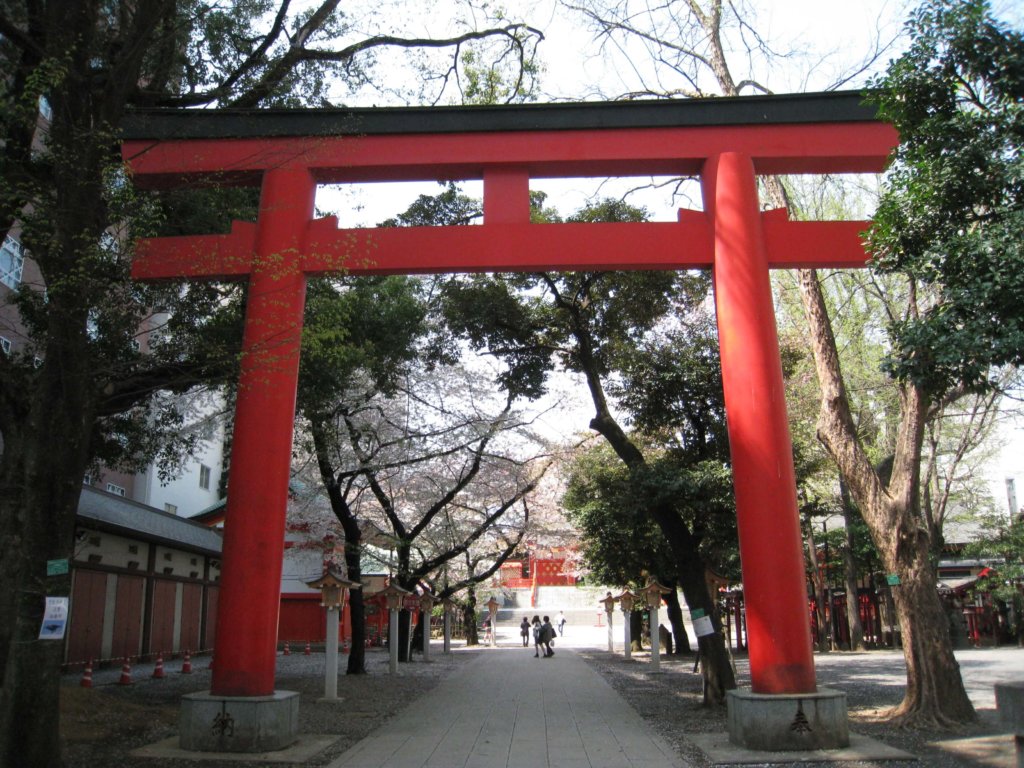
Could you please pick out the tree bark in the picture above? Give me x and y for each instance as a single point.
(636, 628)
(716, 667)
(819, 587)
(675, 618)
(935, 695)
(469, 618)
(353, 542)
(850, 572)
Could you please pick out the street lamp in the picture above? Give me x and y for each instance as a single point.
(393, 595)
(653, 592)
(492, 607)
(609, 606)
(626, 600)
(332, 597)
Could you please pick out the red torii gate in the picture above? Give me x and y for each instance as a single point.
(725, 142)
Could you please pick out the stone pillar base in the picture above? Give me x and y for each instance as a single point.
(211, 723)
(788, 722)
(1010, 703)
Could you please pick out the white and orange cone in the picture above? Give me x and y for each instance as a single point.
(186, 665)
(126, 672)
(87, 675)
(158, 670)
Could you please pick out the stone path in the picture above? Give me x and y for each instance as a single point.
(508, 709)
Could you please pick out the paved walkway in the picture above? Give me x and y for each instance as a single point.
(507, 709)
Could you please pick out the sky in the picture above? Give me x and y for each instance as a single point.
(826, 38)
(819, 43)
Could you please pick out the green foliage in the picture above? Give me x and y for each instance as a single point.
(952, 215)
(620, 544)
(357, 328)
(448, 208)
(1004, 542)
(671, 385)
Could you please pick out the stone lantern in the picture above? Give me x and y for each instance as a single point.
(394, 596)
(332, 597)
(427, 601)
(653, 592)
(609, 607)
(492, 609)
(626, 601)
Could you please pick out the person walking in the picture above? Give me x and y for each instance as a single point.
(560, 623)
(537, 636)
(524, 630)
(547, 636)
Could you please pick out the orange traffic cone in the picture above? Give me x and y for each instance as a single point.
(186, 665)
(126, 672)
(307, 651)
(158, 670)
(345, 645)
(87, 675)
(287, 650)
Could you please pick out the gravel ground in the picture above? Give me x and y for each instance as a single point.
(101, 726)
(873, 682)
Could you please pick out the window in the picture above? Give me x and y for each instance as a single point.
(87, 480)
(5, 345)
(204, 477)
(172, 508)
(12, 261)
(115, 489)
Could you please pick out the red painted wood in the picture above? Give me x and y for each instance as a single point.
(781, 659)
(778, 148)
(191, 605)
(161, 640)
(302, 618)
(127, 639)
(254, 526)
(506, 195)
(88, 603)
(505, 248)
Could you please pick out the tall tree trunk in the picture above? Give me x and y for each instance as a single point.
(404, 628)
(675, 618)
(356, 605)
(636, 630)
(850, 572)
(469, 618)
(353, 542)
(716, 667)
(38, 525)
(819, 587)
(935, 695)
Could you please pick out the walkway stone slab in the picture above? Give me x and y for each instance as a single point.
(862, 748)
(507, 709)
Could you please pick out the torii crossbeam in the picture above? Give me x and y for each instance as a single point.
(724, 142)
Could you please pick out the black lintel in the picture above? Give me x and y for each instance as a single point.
(827, 107)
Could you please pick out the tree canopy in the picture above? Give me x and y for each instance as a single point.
(952, 212)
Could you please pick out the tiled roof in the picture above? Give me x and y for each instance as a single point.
(130, 518)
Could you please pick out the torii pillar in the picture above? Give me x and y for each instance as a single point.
(242, 712)
(784, 710)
